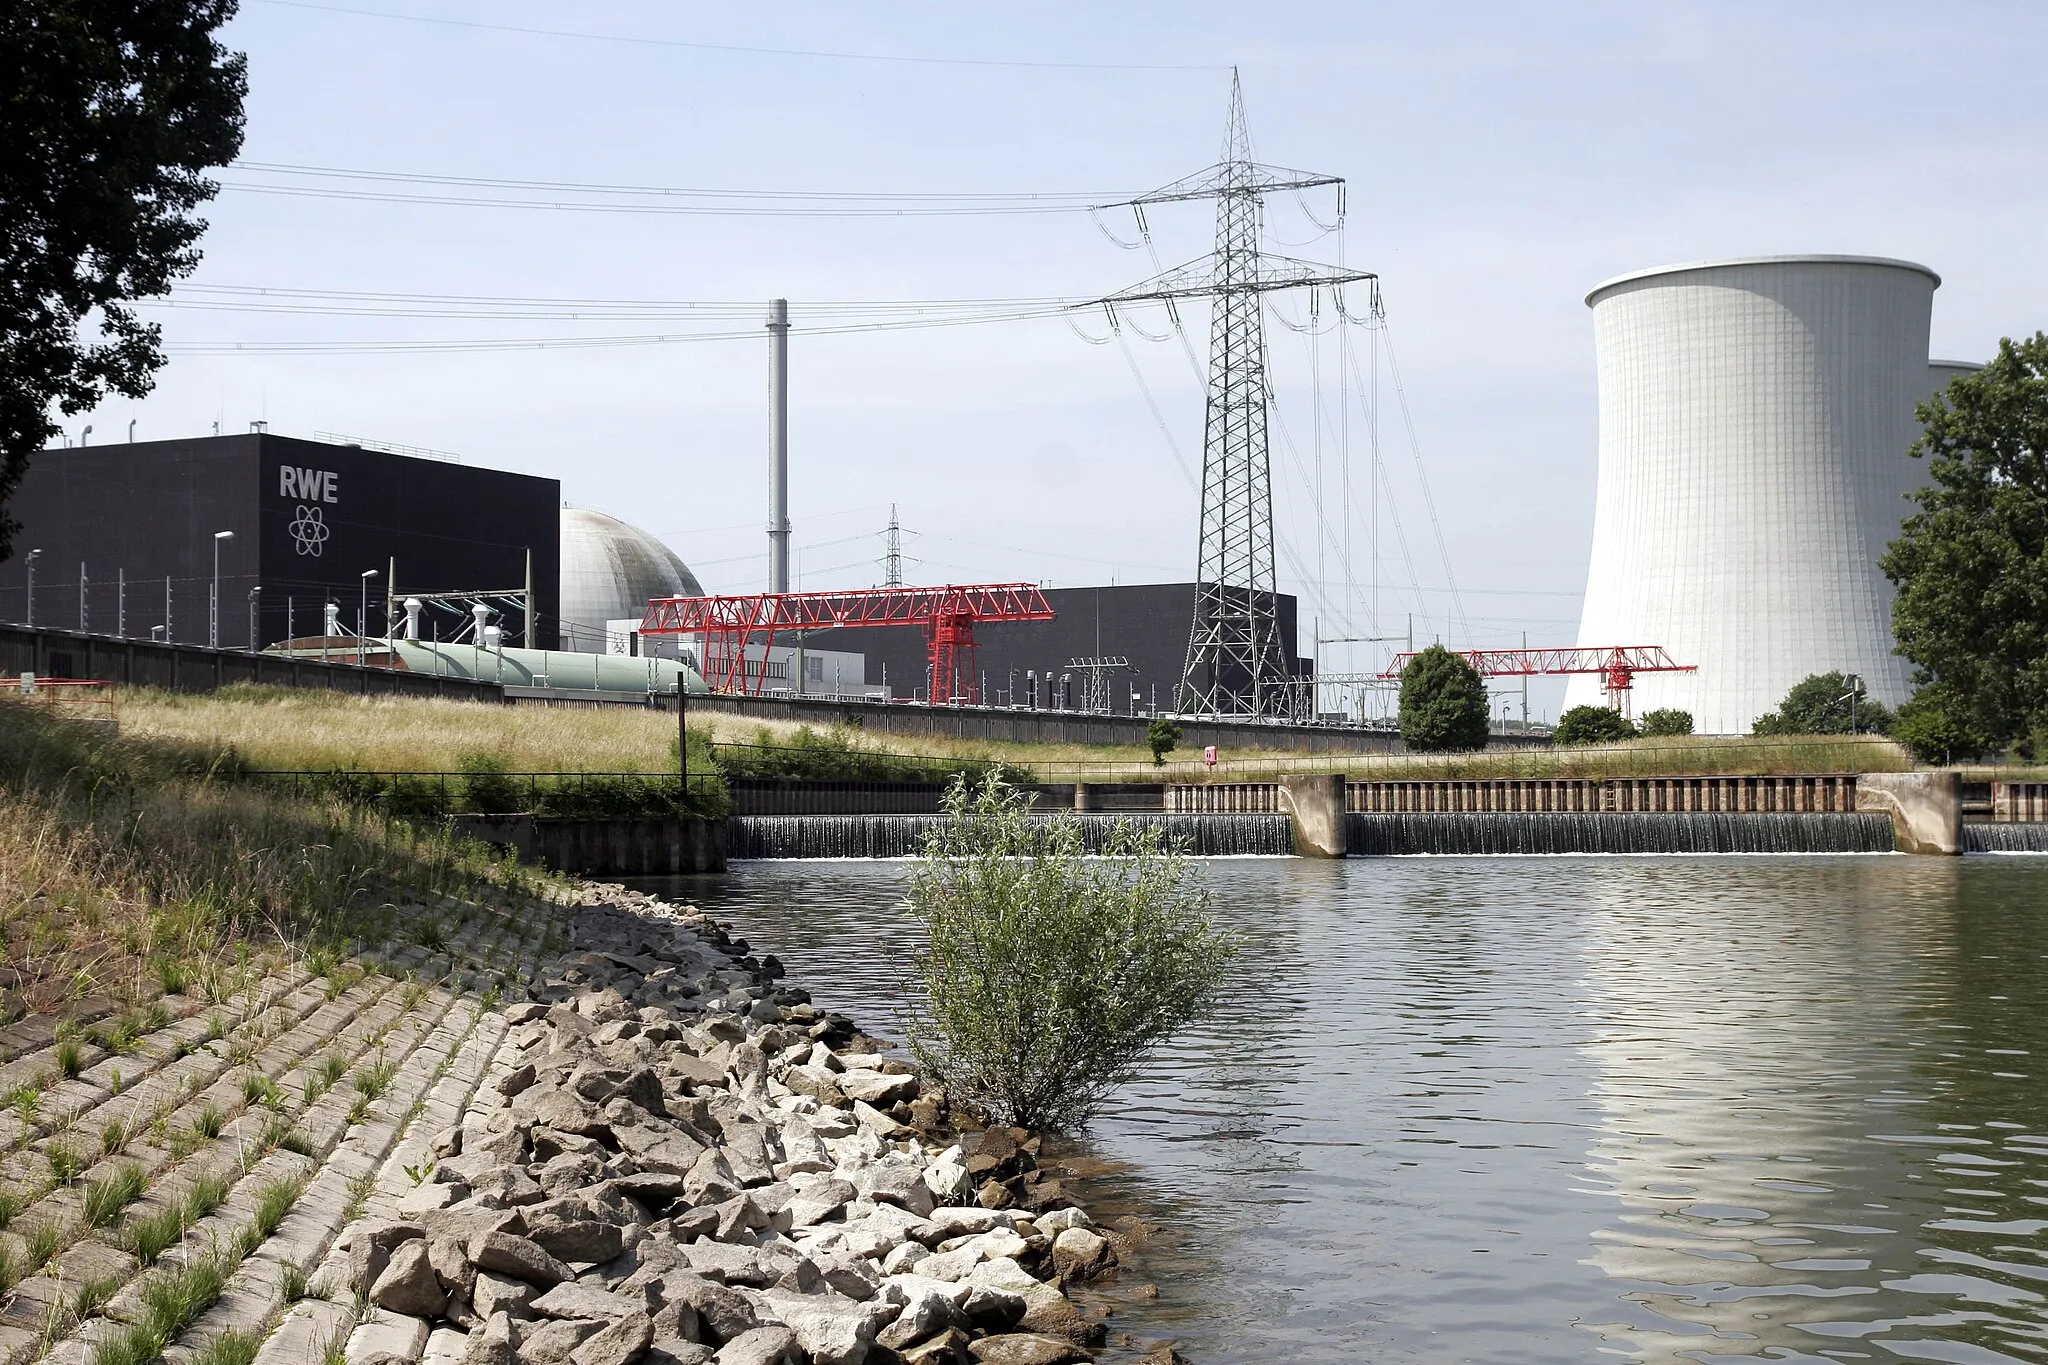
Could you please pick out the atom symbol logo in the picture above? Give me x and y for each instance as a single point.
(309, 530)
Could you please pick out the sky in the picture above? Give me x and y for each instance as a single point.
(1499, 159)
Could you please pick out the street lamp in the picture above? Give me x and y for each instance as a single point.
(213, 593)
(30, 561)
(254, 593)
(363, 615)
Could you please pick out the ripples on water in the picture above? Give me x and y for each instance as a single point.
(1559, 1109)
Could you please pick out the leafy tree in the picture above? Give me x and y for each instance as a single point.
(1443, 703)
(1666, 721)
(1936, 726)
(1050, 974)
(1821, 704)
(110, 110)
(1163, 735)
(1972, 564)
(1594, 725)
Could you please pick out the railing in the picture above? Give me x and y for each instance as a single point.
(69, 698)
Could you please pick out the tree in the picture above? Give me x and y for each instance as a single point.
(1666, 721)
(1163, 735)
(110, 110)
(1050, 974)
(1825, 704)
(1443, 703)
(1972, 564)
(1592, 725)
(1935, 726)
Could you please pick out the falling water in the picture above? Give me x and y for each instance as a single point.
(2019, 838)
(901, 836)
(1409, 832)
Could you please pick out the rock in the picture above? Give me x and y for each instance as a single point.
(621, 1343)
(668, 1351)
(492, 1344)
(449, 1255)
(518, 1257)
(993, 1309)
(587, 1302)
(392, 1336)
(551, 1343)
(946, 1176)
(427, 1198)
(819, 1201)
(761, 1346)
(994, 1194)
(876, 1087)
(569, 1172)
(877, 1122)
(952, 1265)
(1078, 1254)
(710, 1180)
(727, 1263)
(493, 1294)
(853, 1276)
(409, 1285)
(820, 1084)
(366, 1263)
(724, 1313)
(1059, 1220)
(948, 1348)
(903, 1258)
(801, 1148)
(1025, 1348)
(829, 1333)
(898, 1183)
(566, 1112)
(953, 1222)
(925, 1312)
(582, 1239)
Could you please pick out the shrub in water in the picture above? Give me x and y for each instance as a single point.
(1050, 974)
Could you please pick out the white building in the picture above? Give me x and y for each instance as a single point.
(609, 571)
(1755, 417)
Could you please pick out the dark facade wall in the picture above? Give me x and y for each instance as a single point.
(1144, 622)
(308, 518)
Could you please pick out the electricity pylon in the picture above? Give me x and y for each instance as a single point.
(1235, 664)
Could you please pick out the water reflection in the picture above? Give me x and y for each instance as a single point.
(1549, 1109)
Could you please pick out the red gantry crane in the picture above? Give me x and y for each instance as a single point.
(948, 614)
(1617, 665)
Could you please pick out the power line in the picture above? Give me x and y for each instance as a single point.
(741, 48)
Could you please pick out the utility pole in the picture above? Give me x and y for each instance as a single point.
(1235, 665)
(778, 445)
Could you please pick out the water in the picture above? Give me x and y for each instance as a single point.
(1461, 832)
(898, 836)
(1534, 1110)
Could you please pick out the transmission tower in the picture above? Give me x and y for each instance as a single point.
(892, 560)
(1235, 663)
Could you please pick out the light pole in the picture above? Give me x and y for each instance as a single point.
(254, 593)
(363, 615)
(213, 593)
(30, 562)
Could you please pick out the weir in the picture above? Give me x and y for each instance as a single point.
(902, 836)
(1502, 832)
(2005, 838)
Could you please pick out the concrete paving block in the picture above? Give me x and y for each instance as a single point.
(390, 1334)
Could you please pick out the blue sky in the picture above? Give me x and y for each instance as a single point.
(1501, 159)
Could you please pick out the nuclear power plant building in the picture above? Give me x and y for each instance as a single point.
(1755, 419)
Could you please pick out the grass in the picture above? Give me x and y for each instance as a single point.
(273, 1201)
(93, 1293)
(172, 1300)
(65, 1162)
(70, 1057)
(293, 1282)
(374, 1078)
(208, 1122)
(107, 1196)
(41, 1246)
(10, 1207)
(230, 1347)
(152, 1236)
(140, 865)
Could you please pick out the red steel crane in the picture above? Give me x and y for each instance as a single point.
(1617, 665)
(948, 614)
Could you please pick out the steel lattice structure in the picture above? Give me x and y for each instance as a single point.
(730, 625)
(1236, 665)
(1616, 665)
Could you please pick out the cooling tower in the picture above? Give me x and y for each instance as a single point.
(1754, 421)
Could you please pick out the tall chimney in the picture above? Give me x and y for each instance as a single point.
(778, 445)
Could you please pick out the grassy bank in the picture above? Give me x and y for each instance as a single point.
(281, 728)
(138, 866)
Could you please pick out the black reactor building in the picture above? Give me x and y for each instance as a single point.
(308, 517)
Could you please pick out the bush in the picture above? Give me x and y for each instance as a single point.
(1665, 721)
(1163, 736)
(485, 788)
(1820, 704)
(1937, 729)
(1050, 974)
(1593, 725)
(1443, 703)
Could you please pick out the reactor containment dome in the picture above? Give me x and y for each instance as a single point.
(610, 571)
(1755, 419)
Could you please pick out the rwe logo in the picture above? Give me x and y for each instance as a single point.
(314, 485)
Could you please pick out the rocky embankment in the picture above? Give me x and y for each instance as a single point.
(674, 1158)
